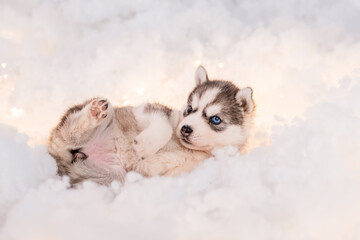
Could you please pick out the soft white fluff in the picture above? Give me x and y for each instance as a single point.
(301, 176)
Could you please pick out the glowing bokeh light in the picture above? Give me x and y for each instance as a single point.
(140, 91)
(17, 112)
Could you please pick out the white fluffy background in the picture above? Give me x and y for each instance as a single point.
(301, 177)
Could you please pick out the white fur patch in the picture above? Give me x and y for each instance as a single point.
(207, 97)
(213, 110)
(195, 102)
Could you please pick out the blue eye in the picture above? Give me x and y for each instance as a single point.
(215, 120)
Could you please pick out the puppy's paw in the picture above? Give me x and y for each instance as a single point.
(99, 109)
(144, 146)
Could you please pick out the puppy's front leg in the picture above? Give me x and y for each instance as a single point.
(171, 163)
(160, 163)
(157, 122)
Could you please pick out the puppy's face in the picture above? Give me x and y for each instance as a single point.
(217, 114)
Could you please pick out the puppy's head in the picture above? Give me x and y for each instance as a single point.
(217, 114)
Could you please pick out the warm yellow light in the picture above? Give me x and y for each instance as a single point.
(16, 112)
(197, 62)
(126, 103)
(140, 91)
(5, 76)
(3, 65)
(221, 65)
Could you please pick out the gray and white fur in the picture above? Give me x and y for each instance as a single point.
(217, 114)
(95, 141)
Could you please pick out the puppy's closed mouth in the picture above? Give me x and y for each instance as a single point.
(186, 140)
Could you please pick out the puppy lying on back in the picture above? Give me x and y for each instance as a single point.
(98, 142)
(95, 141)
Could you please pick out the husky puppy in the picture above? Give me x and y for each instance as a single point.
(101, 143)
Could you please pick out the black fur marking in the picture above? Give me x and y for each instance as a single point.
(186, 113)
(204, 114)
(74, 151)
(78, 155)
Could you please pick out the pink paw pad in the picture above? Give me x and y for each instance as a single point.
(99, 108)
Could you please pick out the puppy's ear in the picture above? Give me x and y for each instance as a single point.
(244, 98)
(201, 75)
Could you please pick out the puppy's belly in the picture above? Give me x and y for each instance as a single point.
(101, 151)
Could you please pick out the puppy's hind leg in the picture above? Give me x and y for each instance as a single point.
(158, 129)
(77, 126)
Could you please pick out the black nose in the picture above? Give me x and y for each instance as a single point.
(186, 131)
